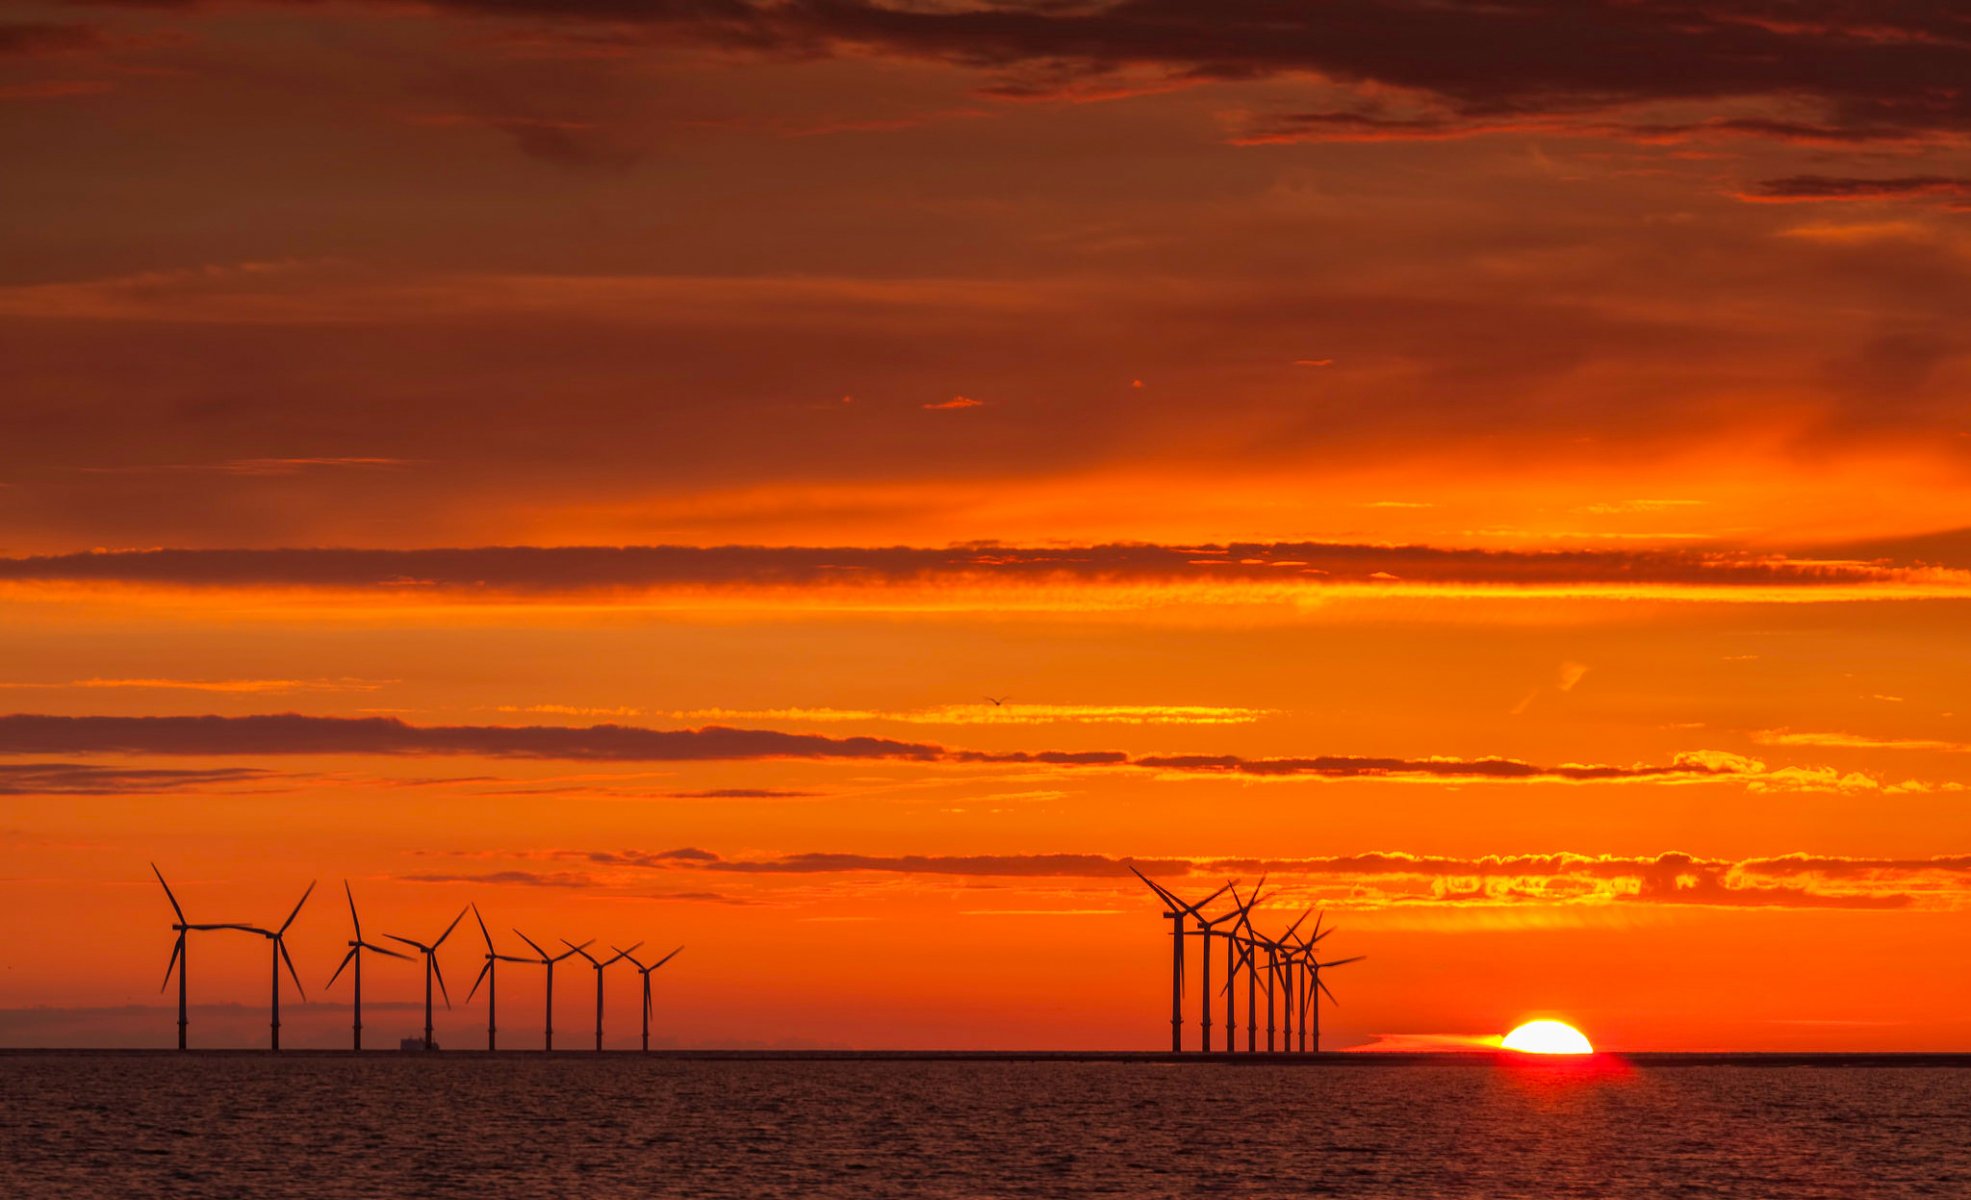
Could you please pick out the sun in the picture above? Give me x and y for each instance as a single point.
(1547, 1037)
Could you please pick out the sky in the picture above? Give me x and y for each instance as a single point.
(834, 484)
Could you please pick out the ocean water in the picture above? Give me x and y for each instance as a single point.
(85, 1125)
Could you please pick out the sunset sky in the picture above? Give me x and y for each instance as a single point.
(1500, 470)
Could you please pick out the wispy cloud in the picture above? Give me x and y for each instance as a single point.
(240, 686)
(293, 734)
(1387, 878)
(83, 779)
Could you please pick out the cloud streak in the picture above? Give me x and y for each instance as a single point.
(294, 734)
(503, 570)
(1393, 878)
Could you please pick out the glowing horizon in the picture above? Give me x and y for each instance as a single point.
(837, 485)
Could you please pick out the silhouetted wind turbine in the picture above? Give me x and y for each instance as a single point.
(356, 947)
(1235, 954)
(1178, 911)
(599, 964)
(548, 960)
(1205, 934)
(489, 976)
(179, 957)
(431, 970)
(645, 972)
(280, 959)
(1315, 983)
(1301, 961)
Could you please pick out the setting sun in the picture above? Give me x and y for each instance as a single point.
(1547, 1037)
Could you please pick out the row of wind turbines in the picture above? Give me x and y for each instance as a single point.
(353, 962)
(1286, 966)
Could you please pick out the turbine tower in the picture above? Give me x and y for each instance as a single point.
(280, 959)
(356, 947)
(489, 976)
(1240, 951)
(645, 972)
(599, 964)
(431, 971)
(179, 957)
(548, 960)
(1178, 910)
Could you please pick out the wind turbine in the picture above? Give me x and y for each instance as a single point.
(356, 947)
(1312, 1007)
(1240, 951)
(599, 964)
(488, 976)
(179, 956)
(1206, 931)
(548, 960)
(1238, 916)
(645, 972)
(280, 958)
(430, 970)
(1177, 913)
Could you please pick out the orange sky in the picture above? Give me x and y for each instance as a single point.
(1495, 469)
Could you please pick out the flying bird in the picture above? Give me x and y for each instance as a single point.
(997, 701)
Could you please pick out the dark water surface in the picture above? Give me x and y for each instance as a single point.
(126, 1125)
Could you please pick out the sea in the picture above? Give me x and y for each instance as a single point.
(88, 1124)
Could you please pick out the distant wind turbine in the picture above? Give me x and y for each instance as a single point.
(645, 972)
(599, 965)
(356, 947)
(548, 960)
(488, 975)
(278, 937)
(1178, 911)
(179, 955)
(431, 971)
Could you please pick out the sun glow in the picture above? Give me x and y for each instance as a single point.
(1547, 1037)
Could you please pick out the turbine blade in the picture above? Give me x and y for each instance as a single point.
(1331, 995)
(297, 906)
(345, 962)
(436, 970)
(668, 957)
(482, 927)
(634, 960)
(1156, 887)
(483, 972)
(531, 942)
(280, 944)
(1342, 962)
(353, 918)
(177, 949)
(387, 953)
(167, 893)
(397, 937)
(448, 929)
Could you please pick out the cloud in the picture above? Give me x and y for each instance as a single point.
(555, 879)
(80, 779)
(1386, 878)
(1855, 741)
(956, 402)
(737, 793)
(534, 569)
(35, 38)
(291, 733)
(1006, 713)
(1888, 68)
(1822, 189)
(238, 686)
